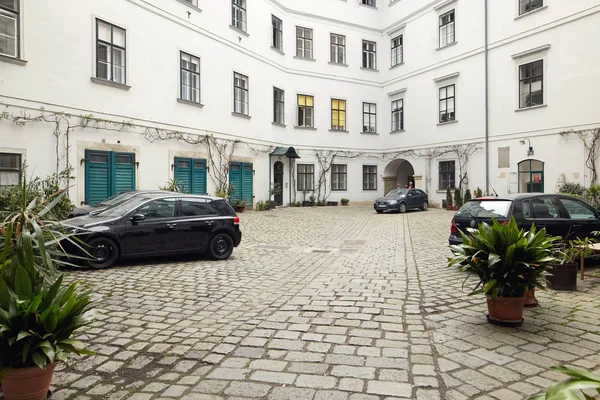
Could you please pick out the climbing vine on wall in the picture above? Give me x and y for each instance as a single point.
(591, 143)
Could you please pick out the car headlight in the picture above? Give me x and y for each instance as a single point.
(392, 202)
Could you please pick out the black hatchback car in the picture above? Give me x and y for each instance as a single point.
(401, 200)
(158, 224)
(111, 201)
(561, 215)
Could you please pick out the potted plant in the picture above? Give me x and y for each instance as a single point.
(312, 199)
(240, 206)
(578, 380)
(563, 273)
(332, 203)
(457, 199)
(507, 261)
(448, 200)
(305, 203)
(345, 201)
(478, 193)
(467, 196)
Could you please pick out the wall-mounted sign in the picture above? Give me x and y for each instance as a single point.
(537, 178)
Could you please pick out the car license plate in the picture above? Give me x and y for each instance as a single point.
(381, 205)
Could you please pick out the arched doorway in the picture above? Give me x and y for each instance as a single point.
(278, 182)
(400, 172)
(531, 176)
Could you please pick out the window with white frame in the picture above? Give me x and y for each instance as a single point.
(110, 52)
(306, 177)
(338, 115)
(447, 103)
(240, 94)
(397, 50)
(369, 117)
(369, 52)
(369, 177)
(192, 2)
(447, 175)
(190, 77)
(304, 42)
(238, 14)
(305, 111)
(339, 177)
(278, 106)
(447, 35)
(9, 28)
(277, 33)
(10, 169)
(371, 3)
(526, 6)
(531, 84)
(397, 115)
(338, 49)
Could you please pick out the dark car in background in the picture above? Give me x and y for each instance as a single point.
(401, 200)
(110, 201)
(155, 225)
(561, 215)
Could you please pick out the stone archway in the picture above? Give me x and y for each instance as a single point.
(399, 171)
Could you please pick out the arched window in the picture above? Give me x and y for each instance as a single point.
(531, 176)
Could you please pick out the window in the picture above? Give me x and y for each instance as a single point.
(338, 177)
(531, 84)
(368, 3)
(278, 106)
(338, 115)
(192, 2)
(238, 14)
(190, 77)
(545, 208)
(240, 94)
(162, 208)
(369, 55)
(277, 33)
(110, 52)
(397, 50)
(195, 207)
(447, 175)
(369, 117)
(304, 42)
(369, 177)
(526, 6)
(305, 111)
(447, 29)
(397, 115)
(578, 209)
(306, 177)
(338, 49)
(10, 169)
(9, 28)
(447, 97)
(531, 176)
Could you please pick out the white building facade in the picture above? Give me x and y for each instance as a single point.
(343, 99)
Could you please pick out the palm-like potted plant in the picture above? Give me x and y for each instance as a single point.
(507, 261)
(240, 206)
(563, 273)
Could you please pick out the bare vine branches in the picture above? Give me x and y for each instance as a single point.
(591, 144)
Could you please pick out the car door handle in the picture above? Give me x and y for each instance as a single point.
(171, 225)
(576, 226)
(209, 222)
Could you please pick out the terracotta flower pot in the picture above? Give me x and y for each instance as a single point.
(563, 277)
(30, 383)
(530, 300)
(507, 311)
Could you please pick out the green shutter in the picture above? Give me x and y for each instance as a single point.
(182, 174)
(124, 172)
(199, 176)
(97, 176)
(235, 179)
(247, 184)
(190, 175)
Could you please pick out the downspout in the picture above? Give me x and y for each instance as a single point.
(487, 119)
(270, 166)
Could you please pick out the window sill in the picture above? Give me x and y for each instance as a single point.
(338, 130)
(531, 108)
(397, 65)
(278, 124)
(308, 128)
(393, 2)
(191, 103)
(190, 5)
(240, 115)
(12, 60)
(243, 32)
(369, 69)
(337, 64)
(106, 82)
(275, 49)
(398, 131)
(530, 12)
(446, 46)
(304, 58)
(448, 122)
(369, 190)
(443, 191)
(369, 133)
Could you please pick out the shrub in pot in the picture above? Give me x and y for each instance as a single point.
(345, 201)
(507, 261)
(240, 206)
(563, 273)
(448, 199)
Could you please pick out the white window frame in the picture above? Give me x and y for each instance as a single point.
(312, 108)
(303, 51)
(239, 103)
(439, 185)
(530, 2)
(277, 42)
(302, 183)
(365, 173)
(371, 125)
(11, 170)
(526, 57)
(369, 55)
(239, 9)
(191, 72)
(393, 110)
(15, 16)
(446, 35)
(398, 58)
(369, 3)
(334, 49)
(341, 172)
(444, 82)
(276, 102)
(110, 45)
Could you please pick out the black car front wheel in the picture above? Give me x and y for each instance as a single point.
(425, 206)
(104, 252)
(220, 246)
(402, 207)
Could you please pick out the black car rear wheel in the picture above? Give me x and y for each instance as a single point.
(402, 207)
(104, 252)
(425, 206)
(220, 246)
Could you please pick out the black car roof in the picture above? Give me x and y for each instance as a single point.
(157, 195)
(520, 196)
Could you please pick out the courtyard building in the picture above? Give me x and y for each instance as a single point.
(336, 99)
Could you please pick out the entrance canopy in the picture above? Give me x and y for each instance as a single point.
(289, 152)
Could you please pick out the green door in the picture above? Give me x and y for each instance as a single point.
(190, 175)
(235, 180)
(241, 176)
(107, 173)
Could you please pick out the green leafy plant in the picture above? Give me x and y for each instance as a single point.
(458, 198)
(322, 203)
(478, 193)
(578, 380)
(448, 198)
(507, 260)
(226, 192)
(312, 198)
(573, 189)
(261, 206)
(467, 196)
(592, 195)
(171, 186)
(570, 251)
(345, 201)
(240, 204)
(275, 190)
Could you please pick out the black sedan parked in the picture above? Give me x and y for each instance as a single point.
(110, 201)
(158, 224)
(400, 200)
(561, 215)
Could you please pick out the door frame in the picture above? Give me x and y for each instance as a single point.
(531, 172)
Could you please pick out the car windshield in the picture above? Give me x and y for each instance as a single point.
(485, 209)
(117, 198)
(396, 193)
(121, 209)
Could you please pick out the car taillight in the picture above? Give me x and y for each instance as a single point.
(453, 227)
(236, 220)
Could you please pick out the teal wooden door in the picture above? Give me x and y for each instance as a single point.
(241, 176)
(190, 175)
(247, 184)
(235, 180)
(107, 173)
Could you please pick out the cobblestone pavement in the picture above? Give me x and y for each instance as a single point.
(324, 303)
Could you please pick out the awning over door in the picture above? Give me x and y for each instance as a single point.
(289, 152)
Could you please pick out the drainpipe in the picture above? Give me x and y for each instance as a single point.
(270, 166)
(487, 121)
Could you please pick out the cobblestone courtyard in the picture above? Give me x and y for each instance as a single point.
(324, 303)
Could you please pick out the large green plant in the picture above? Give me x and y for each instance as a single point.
(573, 189)
(507, 260)
(171, 186)
(578, 380)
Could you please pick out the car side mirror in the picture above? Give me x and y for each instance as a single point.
(137, 217)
